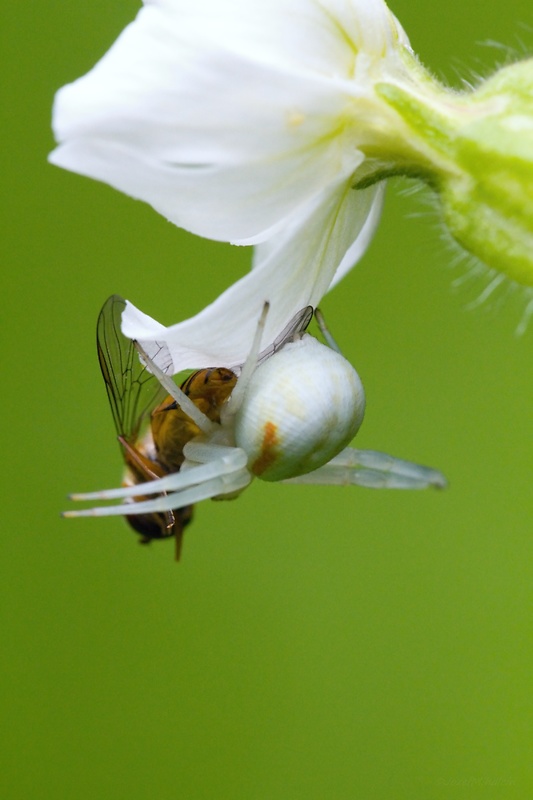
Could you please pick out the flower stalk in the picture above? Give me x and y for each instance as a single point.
(476, 151)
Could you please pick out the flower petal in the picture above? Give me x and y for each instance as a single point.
(226, 117)
(360, 244)
(292, 270)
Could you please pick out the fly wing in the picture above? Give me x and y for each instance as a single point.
(297, 325)
(133, 392)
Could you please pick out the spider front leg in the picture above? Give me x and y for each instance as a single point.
(223, 472)
(223, 460)
(200, 454)
(373, 470)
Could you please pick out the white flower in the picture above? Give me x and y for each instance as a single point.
(271, 122)
(287, 414)
(239, 121)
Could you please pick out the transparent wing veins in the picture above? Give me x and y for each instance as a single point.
(132, 390)
(298, 324)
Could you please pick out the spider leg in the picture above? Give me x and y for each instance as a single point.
(221, 485)
(225, 475)
(373, 470)
(324, 330)
(202, 452)
(184, 402)
(248, 367)
(219, 463)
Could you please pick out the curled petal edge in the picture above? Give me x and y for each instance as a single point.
(291, 271)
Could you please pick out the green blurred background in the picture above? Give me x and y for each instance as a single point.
(314, 642)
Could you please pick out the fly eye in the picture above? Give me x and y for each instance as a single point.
(170, 407)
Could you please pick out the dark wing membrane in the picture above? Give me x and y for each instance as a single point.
(132, 391)
(297, 325)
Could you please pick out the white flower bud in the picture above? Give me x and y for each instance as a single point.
(301, 408)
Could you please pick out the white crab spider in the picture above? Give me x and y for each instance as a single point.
(289, 418)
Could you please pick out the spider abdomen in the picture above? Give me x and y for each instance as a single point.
(301, 408)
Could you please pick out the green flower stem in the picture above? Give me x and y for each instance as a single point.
(476, 151)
